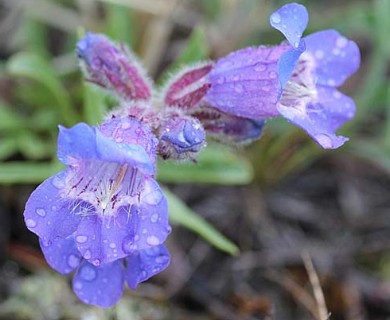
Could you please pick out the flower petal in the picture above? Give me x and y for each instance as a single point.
(288, 62)
(131, 131)
(291, 20)
(322, 118)
(246, 82)
(62, 254)
(100, 241)
(151, 219)
(335, 56)
(82, 142)
(144, 264)
(100, 286)
(47, 214)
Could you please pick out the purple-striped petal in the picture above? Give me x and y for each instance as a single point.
(144, 264)
(61, 254)
(47, 213)
(100, 286)
(336, 57)
(291, 20)
(322, 118)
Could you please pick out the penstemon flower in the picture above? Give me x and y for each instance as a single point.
(105, 207)
(104, 216)
(296, 80)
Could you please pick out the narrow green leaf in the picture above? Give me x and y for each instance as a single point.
(179, 213)
(196, 50)
(120, 23)
(93, 105)
(27, 172)
(216, 165)
(35, 67)
(9, 120)
(34, 147)
(8, 147)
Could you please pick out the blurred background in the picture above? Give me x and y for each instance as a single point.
(254, 227)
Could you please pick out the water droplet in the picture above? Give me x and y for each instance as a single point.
(144, 231)
(125, 125)
(324, 140)
(143, 275)
(152, 240)
(238, 88)
(88, 273)
(30, 223)
(152, 194)
(154, 217)
(81, 239)
(57, 182)
(73, 261)
(78, 285)
(331, 82)
(112, 245)
(259, 67)
(337, 94)
(161, 259)
(275, 18)
(128, 245)
(336, 51)
(96, 262)
(272, 74)
(40, 212)
(87, 254)
(341, 42)
(136, 237)
(319, 54)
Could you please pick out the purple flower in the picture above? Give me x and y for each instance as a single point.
(105, 207)
(296, 80)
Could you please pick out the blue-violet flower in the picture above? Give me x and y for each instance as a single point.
(296, 80)
(104, 214)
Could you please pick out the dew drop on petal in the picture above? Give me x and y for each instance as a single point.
(88, 273)
(324, 140)
(112, 245)
(96, 262)
(73, 261)
(275, 17)
(152, 240)
(337, 95)
(81, 239)
(272, 74)
(319, 54)
(154, 218)
(30, 223)
(341, 42)
(161, 259)
(40, 212)
(87, 254)
(238, 88)
(78, 285)
(259, 67)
